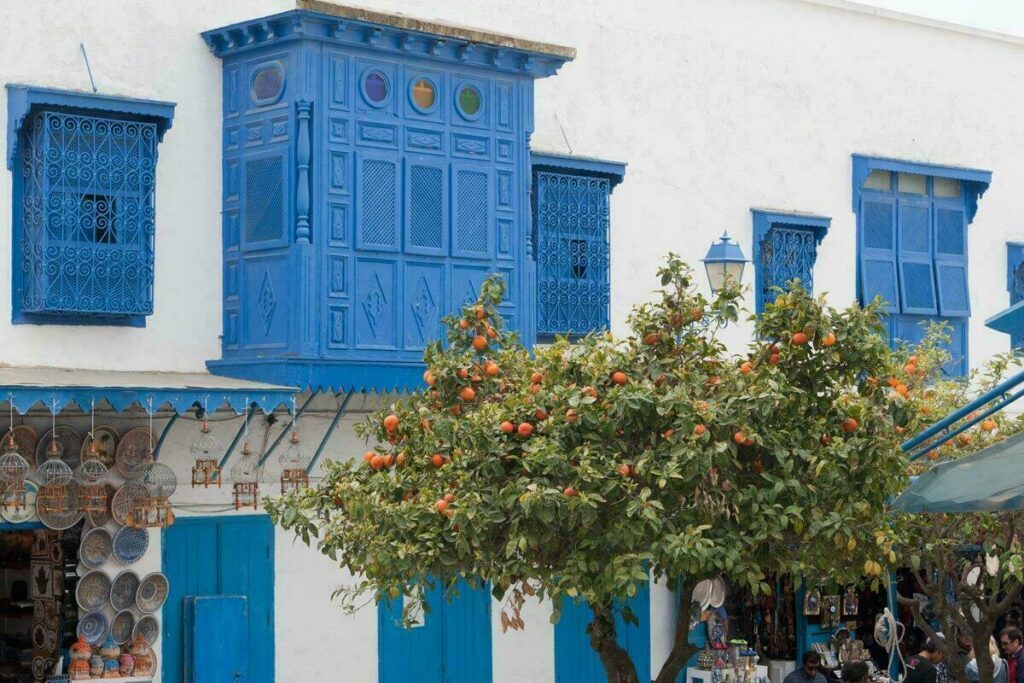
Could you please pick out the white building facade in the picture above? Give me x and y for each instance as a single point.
(868, 152)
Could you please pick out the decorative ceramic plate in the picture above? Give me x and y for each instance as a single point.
(96, 548)
(152, 592)
(94, 627)
(151, 671)
(69, 443)
(38, 668)
(971, 575)
(121, 627)
(93, 590)
(60, 521)
(25, 437)
(103, 518)
(147, 627)
(38, 636)
(135, 448)
(717, 598)
(702, 593)
(50, 616)
(26, 513)
(106, 445)
(991, 564)
(130, 544)
(120, 506)
(123, 590)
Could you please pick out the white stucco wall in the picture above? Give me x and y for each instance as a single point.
(717, 106)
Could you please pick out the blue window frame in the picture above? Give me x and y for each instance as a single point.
(571, 225)
(84, 211)
(785, 249)
(1015, 284)
(912, 245)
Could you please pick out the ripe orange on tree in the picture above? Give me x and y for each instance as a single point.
(536, 378)
(619, 377)
(391, 422)
(829, 340)
(463, 324)
(699, 430)
(368, 456)
(739, 437)
(492, 369)
(799, 339)
(746, 367)
(480, 342)
(437, 459)
(988, 425)
(696, 314)
(571, 415)
(467, 393)
(507, 427)
(492, 333)
(377, 461)
(849, 425)
(524, 429)
(441, 505)
(624, 470)
(463, 373)
(570, 492)
(400, 458)
(652, 338)
(481, 313)
(429, 378)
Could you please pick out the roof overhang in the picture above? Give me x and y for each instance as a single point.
(614, 171)
(975, 180)
(326, 375)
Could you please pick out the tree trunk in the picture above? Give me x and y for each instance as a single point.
(979, 640)
(616, 661)
(682, 650)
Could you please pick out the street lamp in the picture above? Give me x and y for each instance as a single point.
(724, 259)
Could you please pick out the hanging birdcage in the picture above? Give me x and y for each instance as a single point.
(206, 468)
(293, 466)
(91, 475)
(54, 477)
(245, 478)
(13, 470)
(152, 485)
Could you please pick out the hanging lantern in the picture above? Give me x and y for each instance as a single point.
(91, 475)
(293, 466)
(13, 470)
(152, 485)
(245, 477)
(206, 468)
(54, 477)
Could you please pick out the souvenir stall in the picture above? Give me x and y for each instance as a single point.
(82, 495)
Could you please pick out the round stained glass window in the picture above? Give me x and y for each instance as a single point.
(469, 101)
(268, 84)
(424, 95)
(376, 88)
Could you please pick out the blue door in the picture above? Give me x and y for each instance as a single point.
(452, 643)
(576, 661)
(219, 556)
(216, 639)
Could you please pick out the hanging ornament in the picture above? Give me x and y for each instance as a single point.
(91, 475)
(293, 466)
(152, 485)
(206, 468)
(13, 470)
(54, 477)
(245, 477)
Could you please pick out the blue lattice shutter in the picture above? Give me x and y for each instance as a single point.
(917, 275)
(472, 225)
(426, 202)
(878, 252)
(957, 348)
(1015, 283)
(951, 260)
(378, 209)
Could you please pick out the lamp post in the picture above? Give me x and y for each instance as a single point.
(724, 259)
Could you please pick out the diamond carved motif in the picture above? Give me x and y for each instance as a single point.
(375, 305)
(424, 308)
(267, 301)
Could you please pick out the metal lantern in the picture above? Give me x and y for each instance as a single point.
(54, 477)
(91, 475)
(206, 468)
(293, 466)
(13, 470)
(153, 484)
(245, 478)
(724, 260)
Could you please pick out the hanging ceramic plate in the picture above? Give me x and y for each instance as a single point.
(69, 443)
(972, 574)
(96, 548)
(149, 670)
(59, 521)
(25, 437)
(38, 636)
(135, 448)
(93, 590)
(38, 668)
(991, 564)
(106, 445)
(717, 592)
(121, 627)
(152, 592)
(130, 544)
(94, 626)
(120, 505)
(26, 513)
(103, 518)
(147, 627)
(702, 594)
(123, 590)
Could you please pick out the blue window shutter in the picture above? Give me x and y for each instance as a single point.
(1015, 283)
(917, 276)
(878, 251)
(958, 365)
(951, 260)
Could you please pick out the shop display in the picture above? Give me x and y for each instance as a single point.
(851, 603)
(63, 440)
(26, 439)
(206, 467)
(15, 515)
(96, 548)
(93, 590)
(90, 475)
(101, 444)
(812, 603)
(143, 656)
(123, 590)
(130, 544)
(55, 477)
(122, 626)
(63, 512)
(99, 517)
(152, 592)
(93, 626)
(146, 628)
(120, 505)
(134, 449)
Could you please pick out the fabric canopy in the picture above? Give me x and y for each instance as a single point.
(991, 480)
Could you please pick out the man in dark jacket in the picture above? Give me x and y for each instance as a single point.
(809, 672)
(921, 667)
(1011, 641)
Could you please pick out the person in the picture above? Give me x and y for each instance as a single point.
(921, 667)
(809, 672)
(1011, 640)
(998, 665)
(855, 672)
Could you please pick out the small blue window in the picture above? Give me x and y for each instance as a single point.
(267, 84)
(912, 245)
(1015, 284)
(785, 249)
(571, 199)
(376, 88)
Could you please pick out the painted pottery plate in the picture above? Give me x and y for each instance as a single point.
(93, 590)
(103, 518)
(123, 590)
(147, 627)
(38, 668)
(971, 575)
(135, 448)
(50, 614)
(69, 444)
(96, 548)
(702, 593)
(38, 636)
(94, 627)
(991, 564)
(717, 598)
(152, 592)
(151, 669)
(25, 438)
(106, 445)
(66, 519)
(120, 505)
(26, 513)
(122, 626)
(130, 544)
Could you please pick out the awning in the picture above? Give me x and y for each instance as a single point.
(56, 388)
(991, 480)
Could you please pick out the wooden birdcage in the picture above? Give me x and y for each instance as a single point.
(91, 475)
(294, 480)
(245, 477)
(13, 470)
(205, 468)
(293, 466)
(150, 512)
(150, 505)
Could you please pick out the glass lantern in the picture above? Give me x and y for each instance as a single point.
(724, 261)
(13, 470)
(293, 466)
(205, 468)
(245, 478)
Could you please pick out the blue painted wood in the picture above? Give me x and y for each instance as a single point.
(975, 181)
(1011, 320)
(409, 202)
(452, 644)
(220, 649)
(177, 399)
(215, 556)
(785, 248)
(576, 661)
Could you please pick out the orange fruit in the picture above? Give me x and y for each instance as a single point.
(540, 414)
(909, 369)
(377, 461)
(463, 373)
(441, 505)
(492, 369)
(988, 425)
(829, 340)
(368, 456)
(400, 458)
(739, 437)
(799, 339)
(524, 429)
(389, 460)
(534, 389)
(463, 324)
(713, 380)
(391, 422)
(590, 391)
(571, 415)
(570, 492)
(428, 377)
(668, 433)
(467, 394)
(536, 378)
(624, 470)
(492, 333)
(696, 314)
(749, 441)
(849, 425)
(437, 459)
(481, 313)
(455, 410)
(480, 342)
(619, 378)
(652, 338)
(933, 454)
(746, 367)
(964, 439)
(699, 430)
(507, 427)
(773, 359)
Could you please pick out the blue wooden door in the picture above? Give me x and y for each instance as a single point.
(211, 556)
(576, 661)
(216, 637)
(451, 644)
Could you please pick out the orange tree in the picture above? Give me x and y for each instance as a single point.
(940, 550)
(584, 469)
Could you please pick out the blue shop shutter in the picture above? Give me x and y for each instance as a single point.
(575, 659)
(951, 260)
(917, 278)
(216, 643)
(878, 251)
